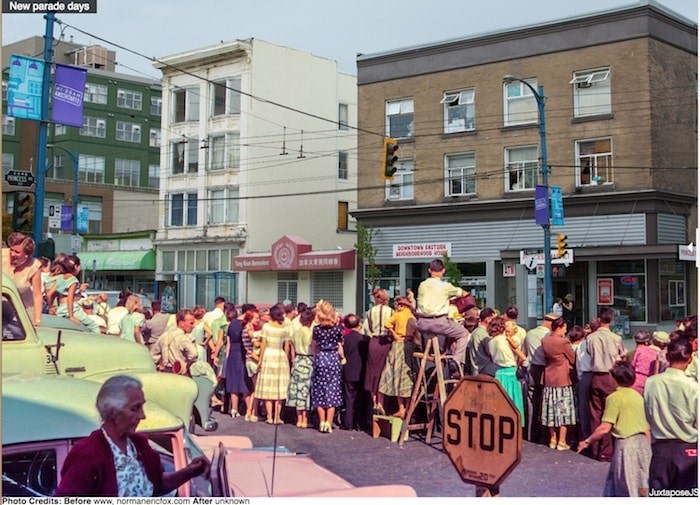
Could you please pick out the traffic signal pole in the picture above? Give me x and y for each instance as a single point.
(38, 229)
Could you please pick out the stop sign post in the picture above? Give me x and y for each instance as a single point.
(481, 433)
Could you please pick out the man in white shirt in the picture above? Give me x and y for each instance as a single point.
(433, 308)
(216, 313)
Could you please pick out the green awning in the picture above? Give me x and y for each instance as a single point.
(118, 260)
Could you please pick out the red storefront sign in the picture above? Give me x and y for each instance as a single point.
(294, 253)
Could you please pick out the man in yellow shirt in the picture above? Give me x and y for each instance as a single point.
(434, 296)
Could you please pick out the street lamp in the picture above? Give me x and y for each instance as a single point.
(539, 96)
(75, 156)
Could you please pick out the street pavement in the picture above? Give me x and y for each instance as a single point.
(363, 461)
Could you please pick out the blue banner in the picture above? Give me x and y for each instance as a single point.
(68, 91)
(557, 206)
(83, 215)
(541, 204)
(24, 88)
(66, 218)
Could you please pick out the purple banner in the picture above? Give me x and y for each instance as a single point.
(68, 91)
(541, 205)
(66, 218)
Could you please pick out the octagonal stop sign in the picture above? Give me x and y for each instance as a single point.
(481, 432)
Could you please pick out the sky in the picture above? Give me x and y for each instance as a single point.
(333, 29)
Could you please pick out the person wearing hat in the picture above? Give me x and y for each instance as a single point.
(88, 305)
(535, 368)
(645, 360)
(659, 342)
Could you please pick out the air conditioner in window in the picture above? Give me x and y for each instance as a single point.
(584, 84)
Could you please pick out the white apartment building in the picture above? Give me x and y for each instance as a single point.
(258, 176)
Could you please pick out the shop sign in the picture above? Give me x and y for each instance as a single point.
(508, 269)
(605, 291)
(687, 252)
(423, 250)
(628, 281)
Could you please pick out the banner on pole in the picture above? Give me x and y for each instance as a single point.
(541, 204)
(66, 218)
(68, 91)
(83, 214)
(557, 206)
(25, 87)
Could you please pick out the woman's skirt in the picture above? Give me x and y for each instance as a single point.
(629, 466)
(506, 376)
(558, 406)
(299, 394)
(379, 347)
(396, 377)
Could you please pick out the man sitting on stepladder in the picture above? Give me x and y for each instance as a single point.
(434, 296)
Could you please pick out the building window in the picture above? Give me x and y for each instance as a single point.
(401, 188)
(226, 97)
(287, 287)
(591, 92)
(519, 104)
(94, 127)
(460, 178)
(92, 168)
(399, 118)
(186, 105)
(178, 202)
(60, 129)
(343, 165)
(96, 93)
(168, 261)
(328, 286)
(594, 162)
(521, 168)
(129, 99)
(672, 294)
(8, 162)
(153, 176)
(156, 106)
(8, 125)
(128, 132)
(343, 216)
(126, 172)
(343, 116)
(185, 154)
(224, 151)
(60, 170)
(94, 205)
(459, 111)
(629, 287)
(223, 206)
(154, 137)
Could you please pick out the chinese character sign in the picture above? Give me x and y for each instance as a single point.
(68, 91)
(25, 87)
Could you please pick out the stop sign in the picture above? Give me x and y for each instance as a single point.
(481, 432)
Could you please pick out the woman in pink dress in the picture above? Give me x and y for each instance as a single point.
(645, 360)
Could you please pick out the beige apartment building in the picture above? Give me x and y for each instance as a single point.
(620, 109)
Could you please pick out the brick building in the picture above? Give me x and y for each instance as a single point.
(620, 90)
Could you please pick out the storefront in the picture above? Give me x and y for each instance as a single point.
(292, 272)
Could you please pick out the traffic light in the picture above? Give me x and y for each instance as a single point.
(561, 245)
(389, 158)
(23, 212)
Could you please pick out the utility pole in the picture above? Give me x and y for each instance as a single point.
(38, 230)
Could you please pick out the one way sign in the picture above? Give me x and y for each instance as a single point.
(19, 178)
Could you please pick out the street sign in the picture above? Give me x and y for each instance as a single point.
(482, 434)
(530, 260)
(54, 216)
(19, 178)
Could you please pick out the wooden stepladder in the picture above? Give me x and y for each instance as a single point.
(429, 389)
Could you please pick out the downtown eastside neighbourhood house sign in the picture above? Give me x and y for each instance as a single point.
(422, 250)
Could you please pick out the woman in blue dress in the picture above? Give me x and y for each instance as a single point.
(237, 380)
(326, 378)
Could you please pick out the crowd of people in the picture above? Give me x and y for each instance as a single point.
(574, 386)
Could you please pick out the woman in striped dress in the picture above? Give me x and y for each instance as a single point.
(299, 394)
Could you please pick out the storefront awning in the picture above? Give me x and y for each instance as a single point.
(118, 260)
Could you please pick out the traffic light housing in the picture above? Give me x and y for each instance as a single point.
(23, 212)
(561, 245)
(389, 158)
